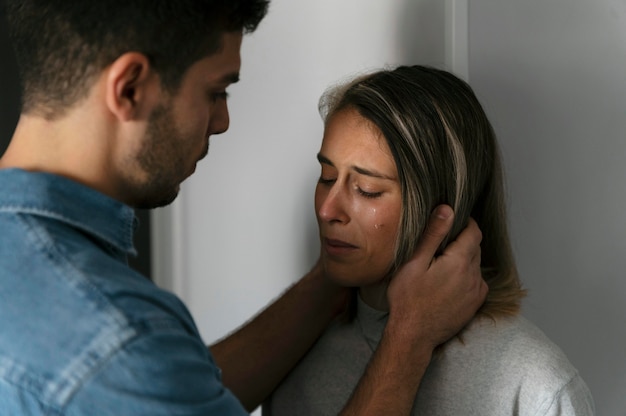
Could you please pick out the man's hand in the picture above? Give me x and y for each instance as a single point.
(430, 300)
(437, 297)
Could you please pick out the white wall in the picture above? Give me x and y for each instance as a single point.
(244, 226)
(552, 76)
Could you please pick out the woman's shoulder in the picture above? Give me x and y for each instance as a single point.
(513, 343)
(504, 329)
(503, 366)
(514, 337)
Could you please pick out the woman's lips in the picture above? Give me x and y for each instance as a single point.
(338, 247)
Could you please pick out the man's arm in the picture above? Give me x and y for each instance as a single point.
(258, 356)
(430, 301)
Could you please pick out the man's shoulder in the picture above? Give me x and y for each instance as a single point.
(63, 323)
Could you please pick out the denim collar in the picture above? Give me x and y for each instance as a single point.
(60, 198)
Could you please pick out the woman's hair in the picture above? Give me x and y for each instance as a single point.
(445, 152)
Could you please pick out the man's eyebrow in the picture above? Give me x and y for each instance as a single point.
(362, 171)
(231, 78)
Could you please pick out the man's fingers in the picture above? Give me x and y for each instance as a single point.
(468, 240)
(483, 291)
(438, 227)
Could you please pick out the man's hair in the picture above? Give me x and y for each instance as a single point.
(61, 45)
(445, 151)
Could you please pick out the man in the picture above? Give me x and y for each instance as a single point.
(120, 98)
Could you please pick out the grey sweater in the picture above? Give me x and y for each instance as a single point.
(507, 367)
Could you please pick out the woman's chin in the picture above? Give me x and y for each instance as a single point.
(340, 277)
(347, 277)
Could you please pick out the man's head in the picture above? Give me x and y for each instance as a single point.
(123, 95)
(177, 128)
(62, 45)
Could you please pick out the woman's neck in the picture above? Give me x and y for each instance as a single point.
(375, 295)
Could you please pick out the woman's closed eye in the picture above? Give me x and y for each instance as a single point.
(362, 192)
(367, 194)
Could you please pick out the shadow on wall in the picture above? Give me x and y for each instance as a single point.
(9, 114)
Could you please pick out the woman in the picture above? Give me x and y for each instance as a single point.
(396, 144)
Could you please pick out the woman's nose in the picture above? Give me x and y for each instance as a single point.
(333, 206)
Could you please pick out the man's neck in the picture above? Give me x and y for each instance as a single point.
(69, 146)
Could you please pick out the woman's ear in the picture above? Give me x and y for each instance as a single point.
(131, 84)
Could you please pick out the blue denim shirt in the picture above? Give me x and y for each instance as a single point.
(81, 333)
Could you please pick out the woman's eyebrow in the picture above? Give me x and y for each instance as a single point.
(362, 171)
(372, 173)
(323, 159)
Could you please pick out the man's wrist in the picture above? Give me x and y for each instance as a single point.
(411, 333)
(335, 296)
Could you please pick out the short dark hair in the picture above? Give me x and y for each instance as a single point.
(61, 45)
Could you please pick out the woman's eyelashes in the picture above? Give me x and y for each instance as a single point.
(369, 194)
(362, 192)
(326, 181)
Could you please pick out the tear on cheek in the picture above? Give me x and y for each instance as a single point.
(378, 226)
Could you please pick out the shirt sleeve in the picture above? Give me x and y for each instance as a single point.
(573, 400)
(166, 372)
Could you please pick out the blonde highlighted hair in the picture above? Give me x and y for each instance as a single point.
(445, 152)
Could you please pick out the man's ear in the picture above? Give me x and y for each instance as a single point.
(131, 86)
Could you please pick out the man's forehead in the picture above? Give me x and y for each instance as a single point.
(223, 66)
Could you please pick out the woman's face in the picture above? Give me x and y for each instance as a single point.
(357, 201)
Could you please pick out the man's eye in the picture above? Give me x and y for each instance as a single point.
(219, 96)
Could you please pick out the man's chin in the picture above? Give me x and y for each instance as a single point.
(158, 201)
